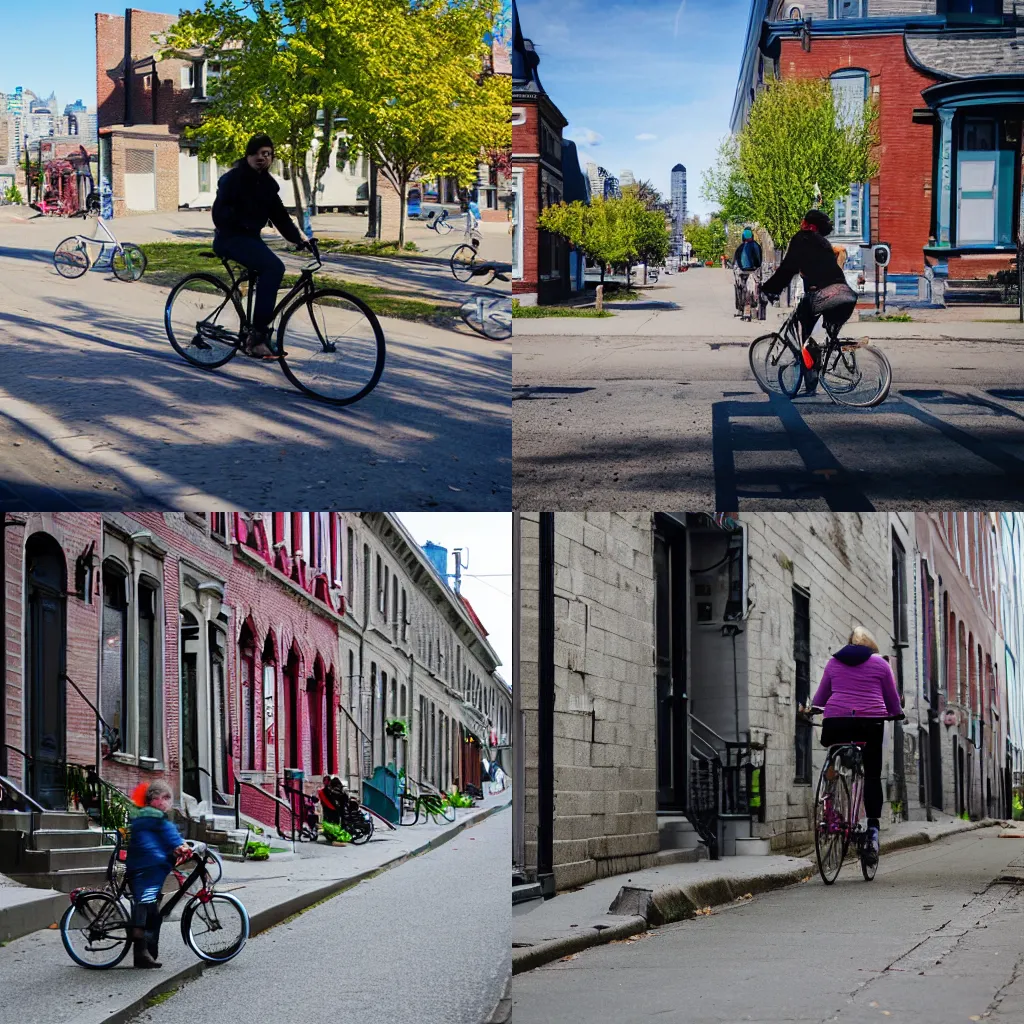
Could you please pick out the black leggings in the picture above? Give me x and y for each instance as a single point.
(807, 317)
(861, 730)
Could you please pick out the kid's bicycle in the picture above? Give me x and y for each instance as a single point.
(439, 223)
(489, 314)
(96, 928)
(852, 373)
(329, 343)
(126, 260)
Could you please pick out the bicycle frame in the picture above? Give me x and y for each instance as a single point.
(111, 240)
(834, 821)
(303, 286)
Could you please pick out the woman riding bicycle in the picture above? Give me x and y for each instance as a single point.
(248, 197)
(858, 692)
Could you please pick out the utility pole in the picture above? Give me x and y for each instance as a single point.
(459, 566)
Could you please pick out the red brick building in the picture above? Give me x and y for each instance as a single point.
(948, 78)
(201, 648)
(540, 262)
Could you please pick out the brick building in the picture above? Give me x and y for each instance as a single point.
(202, 648)
(948, 78)
(540, 262)
(666, 655)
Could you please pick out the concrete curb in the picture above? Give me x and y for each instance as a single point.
(263, 920)
(23, 918)
(670, 903)
(503, 1011)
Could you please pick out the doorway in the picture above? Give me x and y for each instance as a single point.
(292, 754)
(46, 649)
(189, 647)
(670, 662)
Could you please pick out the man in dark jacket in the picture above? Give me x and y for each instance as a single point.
(248, 197)
(746, 264)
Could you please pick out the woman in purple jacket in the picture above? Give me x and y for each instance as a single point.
(858, 692)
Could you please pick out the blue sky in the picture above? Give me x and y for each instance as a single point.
(644, 85)
(62, 58)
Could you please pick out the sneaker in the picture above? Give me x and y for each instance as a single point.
(255, 345)
(872, 843)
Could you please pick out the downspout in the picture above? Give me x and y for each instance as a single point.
(128, 71)
(546, 707)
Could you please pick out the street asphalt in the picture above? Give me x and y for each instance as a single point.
(659, 404)
(425, 943)
(98, 411)
(935, 938)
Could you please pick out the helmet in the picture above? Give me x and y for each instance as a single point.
(747, 233)
(820, 220)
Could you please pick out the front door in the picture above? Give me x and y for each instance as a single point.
(46, 646)
(670, 663)
(189, 647)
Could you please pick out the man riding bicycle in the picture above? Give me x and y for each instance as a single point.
(858, 692)
(248, 197)
(826, 292)
(746, 271)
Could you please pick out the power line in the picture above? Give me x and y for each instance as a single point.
(492, 586)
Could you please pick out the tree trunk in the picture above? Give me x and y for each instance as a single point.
(310, 195)
(295, 189)
(371, 210)
(401, 211)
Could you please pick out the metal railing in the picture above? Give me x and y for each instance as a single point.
(111, 735)
(279, 803)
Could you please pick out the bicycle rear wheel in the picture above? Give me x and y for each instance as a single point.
(856, 376)
(128, 263)
(215, 929)
(95, 931)
(776, 364)
(443, 227)
(462, 262)
(410, 811)
(71, 257)
(831, 814)
(868, 864)
(203, 319)
(491, 317)
(362, 835)
(332, 346)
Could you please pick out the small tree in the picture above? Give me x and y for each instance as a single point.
(796, 139)
(646, 193)
(584, 226)
(708, 239)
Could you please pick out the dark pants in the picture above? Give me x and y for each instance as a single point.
(146, 886)
(861, 730)
(807, 315)
(256, 255)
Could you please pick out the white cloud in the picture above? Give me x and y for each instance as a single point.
(587, 136)
(645, 137)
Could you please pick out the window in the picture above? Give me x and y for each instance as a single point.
(802, 657)
(350, 563)
(212, 75)
(380, 584)
(149, 673)
(394, 599)
(314, 698)
(366, 581)
(247, 674)
(219, 524)
(269, 690)
(401, 704)
(335, 532)
(405, 617)
(977, 11)
(114, 661)
(332, 725)
(848, 8)
(850, 93)
(204, 175)
(384, 603)
(899, 591)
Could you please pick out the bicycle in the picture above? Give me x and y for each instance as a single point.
(463, 259)
(489, 314)
(439, 222)
(426, 805)
(852, 373)
(125, 259)
(96, 928)
(334, 354)
(837, 807)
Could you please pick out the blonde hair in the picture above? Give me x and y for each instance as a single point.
(861, 636)
(157, 789)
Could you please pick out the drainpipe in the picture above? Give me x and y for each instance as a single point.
(128, 71)
(546, 707)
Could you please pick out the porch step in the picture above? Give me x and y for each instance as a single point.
(23, 911)
(526, 892)
(62, 820)
(691, 856)
(676, 833)
(65, 880)
(79, 857)
(753, 847)
(19, 820)
(65, 838)
(974, 292)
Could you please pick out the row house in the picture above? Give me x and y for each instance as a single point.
(213, 648)
(666, 663)
(948, 79)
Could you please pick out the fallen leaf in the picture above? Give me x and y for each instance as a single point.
(571, 956)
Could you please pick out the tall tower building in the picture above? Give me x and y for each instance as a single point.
(678, 200)
(626, 179)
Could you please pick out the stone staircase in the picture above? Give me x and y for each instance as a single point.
(53, 850)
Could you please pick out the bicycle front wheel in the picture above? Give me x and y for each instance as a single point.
(831, 815)
(489, 316)
(856, 375)
(71, 257)
(444, 226)
(332, 347)
(776, 365)
(215, 929)
(462, 262)
(868, 864)
(95, 931)
(203, 319)
(410, 811)
(128, 262)
(363, 835)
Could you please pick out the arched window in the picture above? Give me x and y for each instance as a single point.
(250, 701)
(405, 616)
(269, 701)
(850, 92)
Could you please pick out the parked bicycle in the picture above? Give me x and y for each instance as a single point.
(464, 259)
(837, 809)
(96, 928)
(489, 313)
(125, 259)
(329, 343)
(426, 806)
(439, 222)
(852, 373)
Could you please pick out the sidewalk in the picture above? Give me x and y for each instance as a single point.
(42, 985)
(546, 930)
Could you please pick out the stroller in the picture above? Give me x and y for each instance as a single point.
(340, 807)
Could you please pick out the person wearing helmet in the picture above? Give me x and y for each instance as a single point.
(746, 270)
(826, 292)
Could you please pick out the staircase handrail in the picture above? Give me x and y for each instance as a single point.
(707, 728)
(259, 789)
(110, 734)
(8, 785)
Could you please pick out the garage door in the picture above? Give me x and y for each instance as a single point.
(139, 179)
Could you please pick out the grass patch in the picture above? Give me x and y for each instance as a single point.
(895, 318)
(161, 997)
(533, 312)
(367, 247)
(623, 295)
(169, 262)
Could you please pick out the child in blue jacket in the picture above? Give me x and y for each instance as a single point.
(154, 847)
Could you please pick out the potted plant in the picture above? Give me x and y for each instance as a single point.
(396, 727)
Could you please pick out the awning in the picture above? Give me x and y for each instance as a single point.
(722, 520)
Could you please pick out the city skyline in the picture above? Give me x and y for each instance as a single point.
(640, 88)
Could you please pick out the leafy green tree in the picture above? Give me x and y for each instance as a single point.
(708, 239)
(646, 193)
(796, 142)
